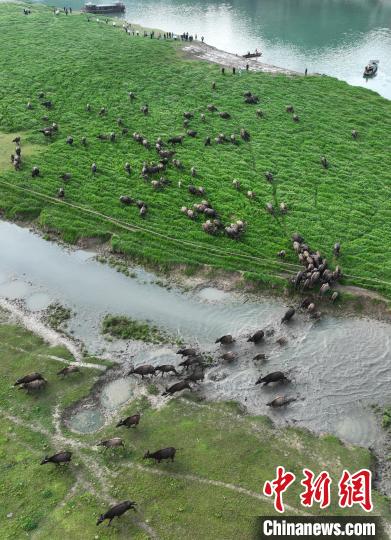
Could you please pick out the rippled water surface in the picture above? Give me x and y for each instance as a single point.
(338, 367)
(335, 37)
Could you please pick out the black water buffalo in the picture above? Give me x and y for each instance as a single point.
(159, 455)
(57, 459)
(29, 378)
(68, 369)
(177, 387)
(288, 314)
(225, 340)
(184, 351)
(275, 376)
(130, 421)
(115, 442)
(257, 336)
(145, 369)
(116, 511)
(280, 401)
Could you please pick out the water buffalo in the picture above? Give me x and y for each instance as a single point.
(191, 133)
(61, 193)
(281, 254)
(69, 140)
(289, 109)
(69, 369)
(93, 168)
(188, 115)
(144, 109)
(35, 172)
(211, 108)
(145, 369)
(61, 457)
(269, 176)
(88, 107)
(166, 368)
(131, 95)
(207, 141)
(116, 511)
(178, 139)
(270, 208)
(16, 140)
(283, 208)
(295, 118)
(337, 249)
(275, 376)
(202, 117)
(115, 442)
(324, 289)
(130, 421)
(225, 340)
(177, 387)
(259, 113)
(288, 315)
(66, 177)
(229, 356)
(34, 386)
(354, 134)
(244, 134)
(224, 115)
(257, 337)
(48, 104)
(143, 211)
(187, 351)
(125, 199)
(191, 361)
(159, 455)
(128, 168)
(193, 171)
(260, 356)
(334, 296)
(236, 184)
(280, 401)
(84, 141)
(324, 162)
(252, 100)
(29, 378)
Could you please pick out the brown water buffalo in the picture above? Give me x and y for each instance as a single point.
(69, 369)
(177, 387)
(159, 455)
(257, 337)
(115, 442)
(288, 315)
(145, 369)
(57, 459)
(130, 421)
(227, 339)
(275, 376)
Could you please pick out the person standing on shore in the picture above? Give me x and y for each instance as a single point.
(202, 39)
(306, 71)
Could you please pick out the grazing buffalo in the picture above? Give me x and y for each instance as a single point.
(191, 133)
(29, 378)
(324, 162)
(275, 376)
(145, 369)
(125, 199)
(93, 168)
(288, 315)
(257, 337)
(280, 401)
(128, 168)
(166, 368)
(34, 386)
(144, 109)
(130, 421)
(66, 177)
(61, 193)
(289, 109)
(211, 108)
(84, 141)
(187, 352)
(159, 455)
(281, 254)
(69, 140)
(16, 140)
(354, 134)
(69, 369)
(207, 141)
(115, 442)
(225, 340)
(188, 115)
(177, 387)
(337, 249)
(295, 118)
(35, 172)
(116, 511)
(178, 139)
(224, 115)
(131, 95)
(244, 134)
(57, 459)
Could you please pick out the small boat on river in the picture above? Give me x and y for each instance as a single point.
(370, 69)
(252, 55)
(117, 7)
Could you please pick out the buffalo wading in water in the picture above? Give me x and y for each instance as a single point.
(225, 340)
(116, 511)
(275, 376)
(288, 314)
(187, 351)
(281, 401)
(257, 337)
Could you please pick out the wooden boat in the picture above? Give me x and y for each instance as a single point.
(371, 68)
(117, 7)
(252, 55)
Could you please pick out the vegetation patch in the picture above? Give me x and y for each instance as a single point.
(121, 327)
(56, 315)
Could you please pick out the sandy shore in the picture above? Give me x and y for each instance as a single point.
(203, 51)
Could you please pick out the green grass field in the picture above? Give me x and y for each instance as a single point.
(75, 62)
(212, 490)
